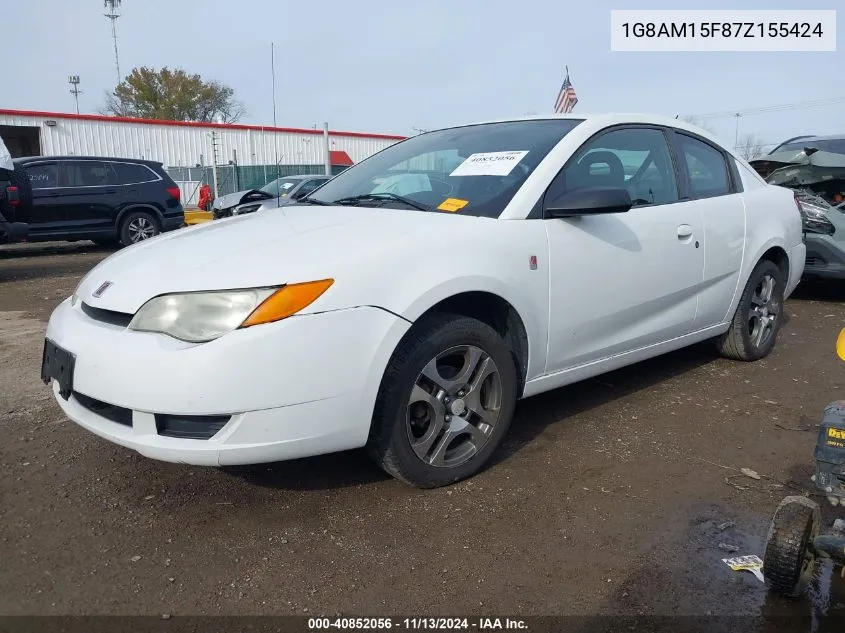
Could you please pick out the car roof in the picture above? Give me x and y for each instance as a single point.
(601, 120)
(140, 161)
(825, 137)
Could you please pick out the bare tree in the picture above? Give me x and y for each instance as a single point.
(750, 147)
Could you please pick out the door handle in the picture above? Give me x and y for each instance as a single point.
(684, 231)
(111, 190)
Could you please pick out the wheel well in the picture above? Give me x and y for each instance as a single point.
(498, 314)
(779, 258)
(140, 207)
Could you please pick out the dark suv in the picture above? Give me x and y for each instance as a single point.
(107, 200)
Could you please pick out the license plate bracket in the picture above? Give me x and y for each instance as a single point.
(58, 364)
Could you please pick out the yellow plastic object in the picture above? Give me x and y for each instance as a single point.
(197, 216)
(840, 344)
(286, 301)
(453, 204)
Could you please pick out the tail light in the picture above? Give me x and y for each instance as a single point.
(175, 193)
(13, 196)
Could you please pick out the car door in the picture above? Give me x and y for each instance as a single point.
(713, 185)
(89, 188)
(47, 213)
(622, 281)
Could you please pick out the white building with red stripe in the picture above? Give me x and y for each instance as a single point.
(180, 143)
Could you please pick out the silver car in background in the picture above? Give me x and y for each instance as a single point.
(276, 193)
(814, 167)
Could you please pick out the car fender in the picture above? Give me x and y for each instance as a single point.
(149, 208)
(531, 314)
(412, 307)
(751, 259)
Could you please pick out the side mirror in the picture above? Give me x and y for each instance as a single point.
(590, 201)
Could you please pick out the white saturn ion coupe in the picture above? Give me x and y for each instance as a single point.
(408, 303)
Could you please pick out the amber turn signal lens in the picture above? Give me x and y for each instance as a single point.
(840, 344)
(286, 301)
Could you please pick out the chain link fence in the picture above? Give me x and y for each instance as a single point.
(232, 178)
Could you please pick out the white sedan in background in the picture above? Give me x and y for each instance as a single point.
(407, 304)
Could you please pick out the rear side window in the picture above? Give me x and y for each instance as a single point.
(43, 176)
(706, 166)
(87, 173)
(129, 173)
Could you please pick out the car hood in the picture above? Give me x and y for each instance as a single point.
(798, 168)
(239, 197)
(287, 245)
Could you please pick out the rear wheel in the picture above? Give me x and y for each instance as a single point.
(788, 555)
(445, 402)
(138, 226)
(758, 316)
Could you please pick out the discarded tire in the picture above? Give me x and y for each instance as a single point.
(788, 554)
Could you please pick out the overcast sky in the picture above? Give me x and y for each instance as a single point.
(392, 65)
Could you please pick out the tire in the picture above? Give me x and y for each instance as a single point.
(755, 310)
(788, 554)
(138, 226)
(429, 436)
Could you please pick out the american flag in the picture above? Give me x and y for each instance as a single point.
(566, 98)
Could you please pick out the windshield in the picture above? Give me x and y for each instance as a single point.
(833, 145)
(280, 187)
(473, 170)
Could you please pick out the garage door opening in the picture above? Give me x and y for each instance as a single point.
(21, 140)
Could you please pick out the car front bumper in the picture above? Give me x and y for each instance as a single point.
(299, 387)
(825, 258)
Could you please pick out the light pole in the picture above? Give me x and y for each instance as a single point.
(736, 134)
(112, 13)
(73, 80)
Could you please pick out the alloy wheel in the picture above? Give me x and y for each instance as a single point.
(454, 406)
(764, 311)
(141, 228)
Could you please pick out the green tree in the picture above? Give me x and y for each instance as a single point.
(173, 95)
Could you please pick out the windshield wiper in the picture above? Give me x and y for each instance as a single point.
(313, 201)
(382, 196)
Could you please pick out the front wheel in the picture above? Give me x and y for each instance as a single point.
(138, 226)
(445, 402)
(758, 316)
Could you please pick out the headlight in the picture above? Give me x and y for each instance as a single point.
(249, 208)
(814, 216)
(198, 317)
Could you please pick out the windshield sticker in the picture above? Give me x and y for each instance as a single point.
(453, 204)
(489, 164)
(287, 185)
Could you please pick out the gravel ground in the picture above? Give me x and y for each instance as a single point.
(607, 497)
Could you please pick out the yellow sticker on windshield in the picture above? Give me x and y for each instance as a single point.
(453, 204)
